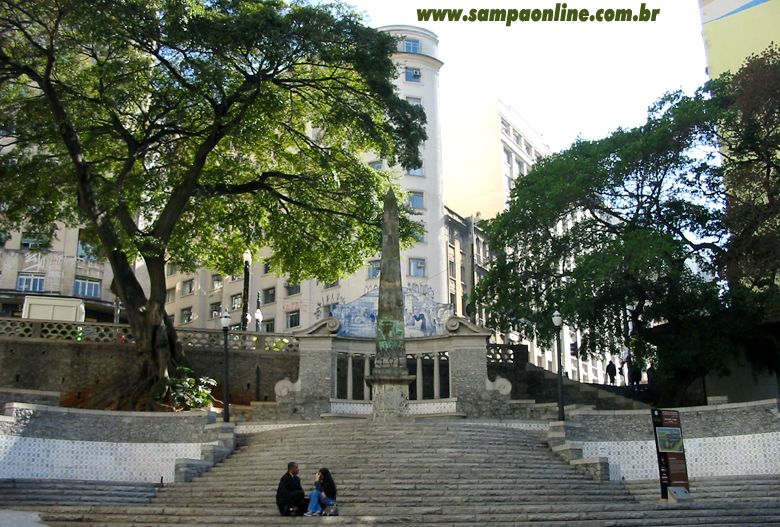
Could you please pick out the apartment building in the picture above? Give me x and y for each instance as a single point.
(62, 266)
(489, 149)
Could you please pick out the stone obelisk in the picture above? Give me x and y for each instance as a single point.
(390, 378)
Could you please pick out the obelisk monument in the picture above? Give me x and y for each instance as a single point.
(390, 378)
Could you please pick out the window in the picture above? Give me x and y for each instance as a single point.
(462, 275)
(412, 74)
(376, 165)
(414, 101)
(530, 150)
(170, 295)
(269, 295)
(215, 310)
(216, 282)
(452, 300)
(292, 289)
(185, 315)
(518, 139)
(187, 287)
(451, 268)
(32, 242)
(507, 157)
(86, 287)
(416, 266)
(423, 236)
(172, 269)
(236, 301)
(374, 267)
(294, 319)
(29, 282)
(416, 200)
(415, 171)
(85, 249)
(520, 167)
(505, 127)
(269, 326)
(412, 45)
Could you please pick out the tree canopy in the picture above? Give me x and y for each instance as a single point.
(190, 130)
(663, 228)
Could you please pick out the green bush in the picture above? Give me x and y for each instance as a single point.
(186, 391)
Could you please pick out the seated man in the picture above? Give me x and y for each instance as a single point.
(290, 497)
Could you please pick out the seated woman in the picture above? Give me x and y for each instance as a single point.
(324, 493)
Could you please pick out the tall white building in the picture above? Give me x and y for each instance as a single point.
(491, 147)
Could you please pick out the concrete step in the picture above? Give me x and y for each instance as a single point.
(437, 516)
(16, 492)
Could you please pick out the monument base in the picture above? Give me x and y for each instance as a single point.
(390, 394)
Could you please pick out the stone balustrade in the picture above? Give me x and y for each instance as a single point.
(120, 334)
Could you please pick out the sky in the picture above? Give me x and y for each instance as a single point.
(567, 80)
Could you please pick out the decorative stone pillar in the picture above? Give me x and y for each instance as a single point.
(468, 367)
(317, 374)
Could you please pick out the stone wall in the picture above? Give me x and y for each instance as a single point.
(720, 440)
(31, 420)
(75, 368)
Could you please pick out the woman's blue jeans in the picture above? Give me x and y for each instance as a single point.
(317, 501)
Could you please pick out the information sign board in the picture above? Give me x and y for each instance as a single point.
(670, 450)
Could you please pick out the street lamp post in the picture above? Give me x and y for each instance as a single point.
(226, 374)
(558, 322)
(258, 314)
(245, 296)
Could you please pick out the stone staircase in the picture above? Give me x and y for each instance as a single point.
(542, 385)
(429, 473)
(28, 493)
(754, 489)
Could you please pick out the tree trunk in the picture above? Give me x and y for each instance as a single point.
(158, 354)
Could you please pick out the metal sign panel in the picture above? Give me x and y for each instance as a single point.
(669, 447)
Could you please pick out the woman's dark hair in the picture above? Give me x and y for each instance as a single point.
(328, 485)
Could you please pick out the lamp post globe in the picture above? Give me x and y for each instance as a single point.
(557, 321)
(258, 319)
(225, 320)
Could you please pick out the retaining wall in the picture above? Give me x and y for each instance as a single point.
(75, 368)
(44, 442)
(720, 440)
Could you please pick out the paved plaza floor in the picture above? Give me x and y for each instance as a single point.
(19, 519)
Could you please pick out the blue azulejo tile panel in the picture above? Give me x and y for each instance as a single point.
(36, 458)
(741, 455)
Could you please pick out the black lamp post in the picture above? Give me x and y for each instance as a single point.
(258, 314)
(558, 322)
(226, 374)
(245, 295)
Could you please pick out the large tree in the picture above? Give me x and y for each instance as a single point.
(186, 131)
(654, 229)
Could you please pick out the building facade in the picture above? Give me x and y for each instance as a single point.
(736, 29)
(491, 148)
(63, 266)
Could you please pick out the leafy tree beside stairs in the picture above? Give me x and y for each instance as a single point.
(184, 132)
